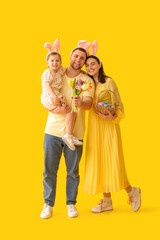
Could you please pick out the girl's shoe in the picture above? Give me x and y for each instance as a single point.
(68, 140)
(77, 142)
(135, 198)
(105, 205)
(47, 211)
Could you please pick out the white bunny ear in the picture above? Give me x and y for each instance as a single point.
(94, 47)
(81, 43)
(48, 46)
(56, 45)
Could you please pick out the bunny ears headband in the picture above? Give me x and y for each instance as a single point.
(84, 44)
(81, 43)
(56, 46)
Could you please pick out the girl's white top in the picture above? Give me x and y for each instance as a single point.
(55, 79)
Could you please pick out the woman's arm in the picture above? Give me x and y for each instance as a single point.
(116, 100)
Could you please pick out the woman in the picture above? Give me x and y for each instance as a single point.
(105, 169)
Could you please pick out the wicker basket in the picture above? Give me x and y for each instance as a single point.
(104, 109)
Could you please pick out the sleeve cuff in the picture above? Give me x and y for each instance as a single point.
(120, 115)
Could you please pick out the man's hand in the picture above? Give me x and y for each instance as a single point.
(84, 104)
(77, 101)
(62, 109)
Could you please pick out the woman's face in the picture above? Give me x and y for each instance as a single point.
(92, 67)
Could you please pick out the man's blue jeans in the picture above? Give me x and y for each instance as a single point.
(53, 147)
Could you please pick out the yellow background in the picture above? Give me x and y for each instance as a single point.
(128, 37)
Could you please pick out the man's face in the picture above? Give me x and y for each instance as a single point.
(77, 59)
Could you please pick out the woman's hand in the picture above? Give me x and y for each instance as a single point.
(84, 72)
(108, 117)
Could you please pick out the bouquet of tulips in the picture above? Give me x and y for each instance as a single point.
(78, 86)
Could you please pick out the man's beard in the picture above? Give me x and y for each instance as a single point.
(72, 65)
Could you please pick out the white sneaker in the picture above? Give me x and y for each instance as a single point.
(72, 211)
(47, 211)
(77, 142)
(68, 140)
(135, 198)
(104, 205)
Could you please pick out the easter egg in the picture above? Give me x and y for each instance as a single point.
(101, 103)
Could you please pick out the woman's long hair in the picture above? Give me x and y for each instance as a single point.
(101, 76)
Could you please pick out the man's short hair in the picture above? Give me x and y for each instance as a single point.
(79, 48)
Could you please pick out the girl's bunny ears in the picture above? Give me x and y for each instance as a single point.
(56, 46)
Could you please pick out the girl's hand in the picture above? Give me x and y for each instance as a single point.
(55, 100)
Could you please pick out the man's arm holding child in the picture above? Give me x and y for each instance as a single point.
(61, 109)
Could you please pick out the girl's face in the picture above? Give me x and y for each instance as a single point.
(92, 67)
(54, 62)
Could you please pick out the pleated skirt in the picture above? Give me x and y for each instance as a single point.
(104, 161)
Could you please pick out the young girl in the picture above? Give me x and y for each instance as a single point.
(51, 96)
(105, 169)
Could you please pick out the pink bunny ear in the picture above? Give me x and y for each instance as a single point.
(48, 46)
(87, 46)
(81, 43)
(56, 45)
(94, 47)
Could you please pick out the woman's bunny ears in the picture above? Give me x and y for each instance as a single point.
(83, 43)
(56, 46)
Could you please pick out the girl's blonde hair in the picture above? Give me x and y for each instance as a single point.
(51, 54)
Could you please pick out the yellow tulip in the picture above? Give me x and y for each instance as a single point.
(70, 83)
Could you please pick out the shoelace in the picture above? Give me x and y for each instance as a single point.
(130, 200)
(72, 208)
(100, 203)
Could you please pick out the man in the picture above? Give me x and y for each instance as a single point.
(55, 129)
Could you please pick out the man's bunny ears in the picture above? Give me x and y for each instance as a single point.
(56, 46)
(83, 43)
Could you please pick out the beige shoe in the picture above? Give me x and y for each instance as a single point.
(68, 140)
(72, 211)
(77, 142)
(47, 211)
(135, 198)
(105, 205)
